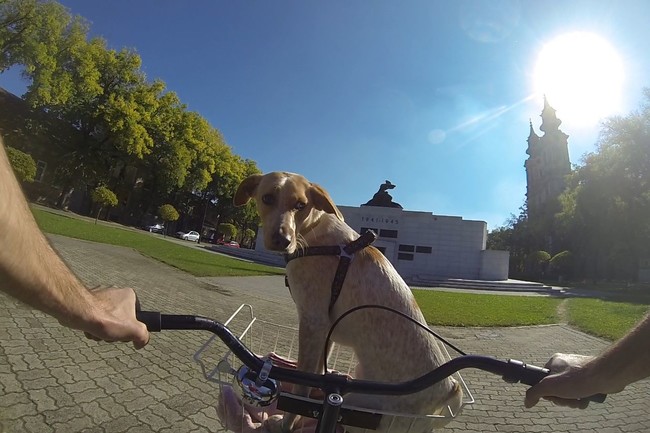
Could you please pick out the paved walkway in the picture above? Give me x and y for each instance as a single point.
(54, 380)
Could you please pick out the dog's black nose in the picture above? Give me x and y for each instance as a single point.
(281, 241)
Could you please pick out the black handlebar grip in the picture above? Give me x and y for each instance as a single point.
(151, 319)
(531, 375)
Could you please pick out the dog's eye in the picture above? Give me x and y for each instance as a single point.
(300, 206)
(268, 199)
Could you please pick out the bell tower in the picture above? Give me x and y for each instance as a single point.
(547, 165)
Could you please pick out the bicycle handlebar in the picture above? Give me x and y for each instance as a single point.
(511, 370)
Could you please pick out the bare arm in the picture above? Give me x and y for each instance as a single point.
(625, 362)
(31, 271)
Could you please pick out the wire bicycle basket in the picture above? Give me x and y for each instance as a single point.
(279, 343)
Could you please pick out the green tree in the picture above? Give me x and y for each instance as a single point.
(230, 170)
(243, 217)
(228, 230)
(249, 237)
(34, 33)
(103, 197)
(166, 166)
(604, 217)
(499, 238)
(187, 151)
(100, 93)
(210, 154)
(168, 213)
(23, 164)
(120, 121)
(16, 19)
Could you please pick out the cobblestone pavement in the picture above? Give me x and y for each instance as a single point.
(54, 380)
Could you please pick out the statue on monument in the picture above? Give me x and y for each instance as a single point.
(382, 198)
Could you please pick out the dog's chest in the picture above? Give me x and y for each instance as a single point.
(309, 281)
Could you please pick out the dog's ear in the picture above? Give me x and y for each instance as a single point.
(322, 200)
(246, 189)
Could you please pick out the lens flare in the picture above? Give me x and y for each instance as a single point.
(582, 76)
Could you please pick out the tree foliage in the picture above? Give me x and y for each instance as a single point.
(249, 237)
(103, 197)
(228, 230)
(31, 31)
(605, 215)
(168, 212)
(123, 131)
(23, 164)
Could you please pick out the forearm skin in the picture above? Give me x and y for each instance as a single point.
(30, 269)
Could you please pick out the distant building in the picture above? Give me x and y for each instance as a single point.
(423, 246)
(546, 167)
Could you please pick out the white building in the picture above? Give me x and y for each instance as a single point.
(424, 246)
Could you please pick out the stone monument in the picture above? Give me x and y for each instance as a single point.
(382, 198)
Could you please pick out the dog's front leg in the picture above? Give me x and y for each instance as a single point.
(312, 333)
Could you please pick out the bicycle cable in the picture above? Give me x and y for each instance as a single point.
(391, 310)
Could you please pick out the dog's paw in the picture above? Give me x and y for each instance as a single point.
(273, 424)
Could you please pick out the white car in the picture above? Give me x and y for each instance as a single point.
(191, 236)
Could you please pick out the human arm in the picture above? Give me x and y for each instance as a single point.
(625, 362)
(32, 272)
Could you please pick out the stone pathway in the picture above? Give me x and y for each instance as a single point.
(54, 380)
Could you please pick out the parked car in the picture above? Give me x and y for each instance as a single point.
(189, 236)
(156, 228)
(231, 244)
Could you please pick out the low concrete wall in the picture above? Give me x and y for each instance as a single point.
(494, 265)
(259, 256)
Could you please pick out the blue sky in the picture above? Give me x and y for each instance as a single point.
(433, 95)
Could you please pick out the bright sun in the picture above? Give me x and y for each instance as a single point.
(582, 76)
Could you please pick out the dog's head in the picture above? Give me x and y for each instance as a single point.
(287, 204)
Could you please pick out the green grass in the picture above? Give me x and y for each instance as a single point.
(189, 259)
(466, 309)
(607, 319)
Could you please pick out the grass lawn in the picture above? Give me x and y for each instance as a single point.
(607, 319)
(191, 260)
(466, 309)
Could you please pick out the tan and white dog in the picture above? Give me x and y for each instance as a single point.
(298, 214)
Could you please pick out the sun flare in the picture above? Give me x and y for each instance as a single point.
(582, 76)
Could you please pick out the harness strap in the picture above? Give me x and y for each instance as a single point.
(345, 253)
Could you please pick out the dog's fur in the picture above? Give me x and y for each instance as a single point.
(295, 214)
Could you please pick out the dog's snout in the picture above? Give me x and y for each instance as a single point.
(281, 240)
